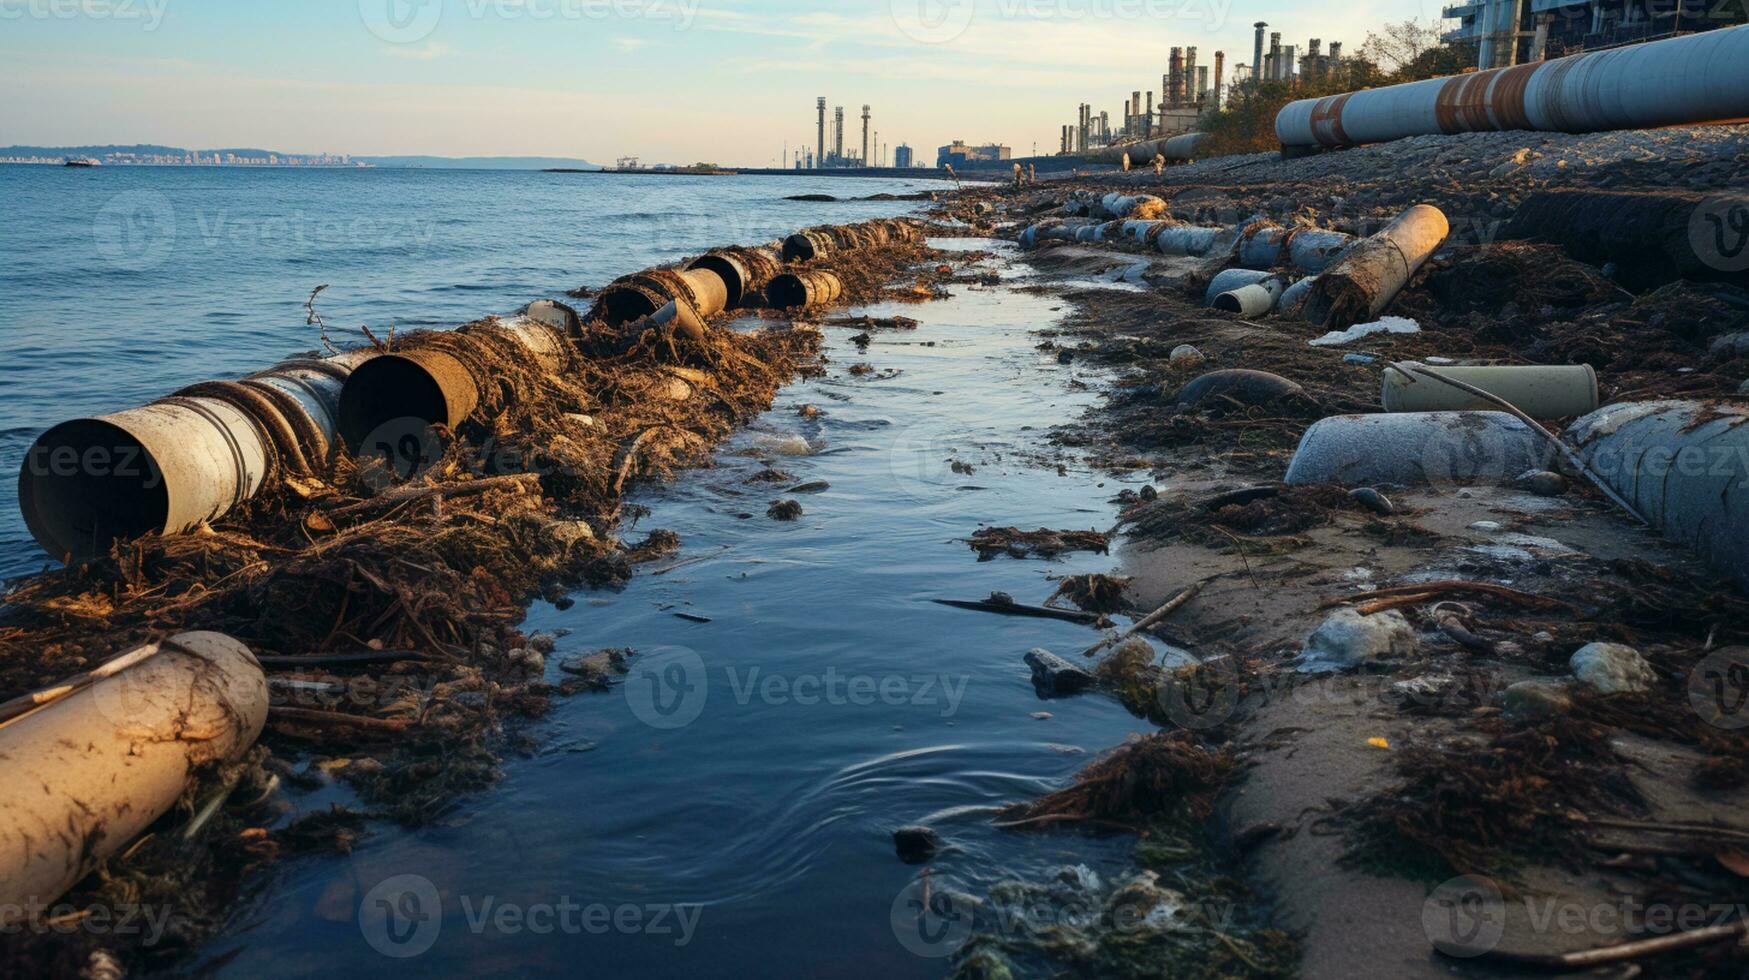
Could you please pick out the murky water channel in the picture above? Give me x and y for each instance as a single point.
(727, 811)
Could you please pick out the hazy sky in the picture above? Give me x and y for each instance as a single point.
(667, 80)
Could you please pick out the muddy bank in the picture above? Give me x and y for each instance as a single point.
(1483, 694)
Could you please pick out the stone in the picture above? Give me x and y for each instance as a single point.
(916, 845)
(1348, 639)
(1542, 483)
(1535, 700)
(1373, 500)
(1052, 675)
(1185, 354)
(1613, 668)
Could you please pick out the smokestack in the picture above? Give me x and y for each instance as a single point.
(1195, 95)
(1133, 119)
(1148, 120)
(1220, 71)
(838, 134)
(865, 135)
(1275, 70)
(1335, 50)
(1257, 55)
(1175, 69)
(1202, 83)
(821, 153)
(1315, 47)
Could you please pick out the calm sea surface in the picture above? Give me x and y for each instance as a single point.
(726, 811)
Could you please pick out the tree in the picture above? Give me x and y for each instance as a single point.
(1397, 46)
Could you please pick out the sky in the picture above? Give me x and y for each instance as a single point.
(679, 81)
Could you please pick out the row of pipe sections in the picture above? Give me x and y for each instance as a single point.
(1182, 148)
(191, 458)
(1697, 78)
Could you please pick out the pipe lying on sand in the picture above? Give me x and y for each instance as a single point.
(1418, 449)
(1252, 299)
(641, 294)
(1190, 240)
(1542, 391)
(803, 289)
(1684, 466)
(88, 772)
(744, 271)
(1182, 148)
(1358, 287)
(1693, 79)
(1228, 280)
(1653, 237)
(433, 385)
(825, 240)
(181, 461)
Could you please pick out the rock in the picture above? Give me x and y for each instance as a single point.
(916, 845)
(1053, 675)
(1348, 639)
(1185, 354)
(1743, 389)
(784, 510)
(1731, 344)
(1242, 385)
(529, 661)
(1535, 700)
(1373, 500)
(1543, 483)
(1613, 668)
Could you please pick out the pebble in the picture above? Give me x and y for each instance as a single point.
(1185, 354)
(1052, 675)
(1348, 639)
(1533, 700)
(1613, 668)
(784, 510)
(1373, 500)
(1042, 716)
(1542, 483)
(916, 845)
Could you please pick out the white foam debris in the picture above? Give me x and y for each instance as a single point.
(1389, 324)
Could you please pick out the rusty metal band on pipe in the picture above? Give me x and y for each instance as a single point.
(804, 289)
(1359, 286)
(90, 771)
(1697, 78)
(641, 294)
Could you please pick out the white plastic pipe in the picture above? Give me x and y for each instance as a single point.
(1693, 79)
(1255, 299)
(1228, 280)
(1542, 391)
(87, 773)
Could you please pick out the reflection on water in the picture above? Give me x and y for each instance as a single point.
(747, 776)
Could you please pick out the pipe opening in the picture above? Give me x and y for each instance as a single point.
(787, 291)
(729, 272)
(386, 389)
(87, 483)
(625, 305)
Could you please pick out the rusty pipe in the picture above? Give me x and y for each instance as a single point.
(88, 772)
(804, 289)
(1360, 285)
(744, 271)
(1681, 80)
(641, 294)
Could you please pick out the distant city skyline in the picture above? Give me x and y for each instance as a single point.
(728, 81)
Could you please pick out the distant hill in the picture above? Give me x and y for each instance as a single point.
(432, 162)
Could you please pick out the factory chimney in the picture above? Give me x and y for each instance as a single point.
(1195, 94)
(838, 135)
(1220, 72)
(865, 136)
(1175, 72)
(821, 153)
(1257, 56)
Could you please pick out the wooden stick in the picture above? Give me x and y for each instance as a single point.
(1604, 955)
(403, 495)
(27, 703)
(1172, 605)
(1016, 609)
(1428, 590)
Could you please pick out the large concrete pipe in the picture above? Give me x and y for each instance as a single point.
(640, 294)
(89, 772)
(1143, 206)
(1190, 240)
(1313, 250)
(1684, 466)
(434, 386)
(803, 289)
(744, 271)
(1418, 449)
(1692, 79)
(1176, 149)
(1542, 391)
(182, 461)
(1358, 287)
(1263, 246)
(1653, 237)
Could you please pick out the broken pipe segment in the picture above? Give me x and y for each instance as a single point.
(432, 386)
(1692, 79)
(89, 772)
(181, 461)
(1684, 466)
(1418, 449)
(744, 271)
(1360, 285)
(1542, 391)
(641, 294)
(802, 289)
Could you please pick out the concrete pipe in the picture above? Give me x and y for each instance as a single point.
(1188, 240)
(87, 773)
(1360, 285)
(1228, 280)
(1143, 231)
(1294, 295)
(744, 271)
(679, 316)
(1183, 147)
(1110, 231)
(1419, 449)
(1263, 246)
(1255, 299)
(807, 244)
(1243, 385)
(1144, 206)
(1653, 237)
(1088, 234)
(803, 289)
(1684, 466)
(1542, 391)
(641, 294)
(1312, 250)
(1693, 79)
